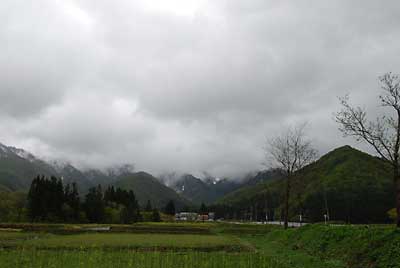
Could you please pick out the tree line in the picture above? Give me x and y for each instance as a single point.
(49, 200)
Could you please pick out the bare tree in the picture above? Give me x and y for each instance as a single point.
(383, 134)
(290, 152)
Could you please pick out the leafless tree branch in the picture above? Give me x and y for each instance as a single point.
(290, 152)
(383, 134)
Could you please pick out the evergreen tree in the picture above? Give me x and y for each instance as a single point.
(94, 205)
(170, 208)
(130, 213)
(49, 200)
(34, 203)
(148, 206)
(73, 201)
(109, 194)
(46, 199)
(203, 209)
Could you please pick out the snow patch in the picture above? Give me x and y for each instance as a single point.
(24, 154)
(8, 150)
(59, 165)
(119, 170)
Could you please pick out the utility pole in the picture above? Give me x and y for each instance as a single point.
(266, 209)
(326, 204)
(255, 212)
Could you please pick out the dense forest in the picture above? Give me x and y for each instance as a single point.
(49, 200)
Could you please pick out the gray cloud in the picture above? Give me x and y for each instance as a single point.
(190, 85)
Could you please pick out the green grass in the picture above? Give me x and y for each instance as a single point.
(129, 241)
(240, 229)
(6, 236)
(333, 246)
(289, 257)
(162, 227)
(224, 245)
(123, 259)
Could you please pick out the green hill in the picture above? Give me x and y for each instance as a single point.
(263, 176)
(351, 185)
(146, 187)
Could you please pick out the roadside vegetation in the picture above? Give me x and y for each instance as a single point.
(355, 246)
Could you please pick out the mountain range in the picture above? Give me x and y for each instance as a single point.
(347, 184)
(210, 189)
(18, 168)
(203, 191)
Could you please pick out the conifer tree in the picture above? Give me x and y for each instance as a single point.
(170, 208)
(148, 206)
(94, 205)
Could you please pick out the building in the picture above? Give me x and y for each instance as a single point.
(186, 216)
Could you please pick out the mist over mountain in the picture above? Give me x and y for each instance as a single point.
(347, 178)
(209, 189)
(188, 87)
(93, 176)
(18, 168)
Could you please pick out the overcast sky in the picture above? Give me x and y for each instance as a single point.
(187, 85)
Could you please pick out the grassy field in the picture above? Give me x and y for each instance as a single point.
(127, 246)
(115, 241)
(169, 228)
(332, 246)
(355, 246)
(99, 259)
(199, 245)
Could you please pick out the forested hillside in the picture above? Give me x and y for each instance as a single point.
(346, 184)
(146, 187)
(18, 168)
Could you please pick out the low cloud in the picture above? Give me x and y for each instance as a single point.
(187, 86)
